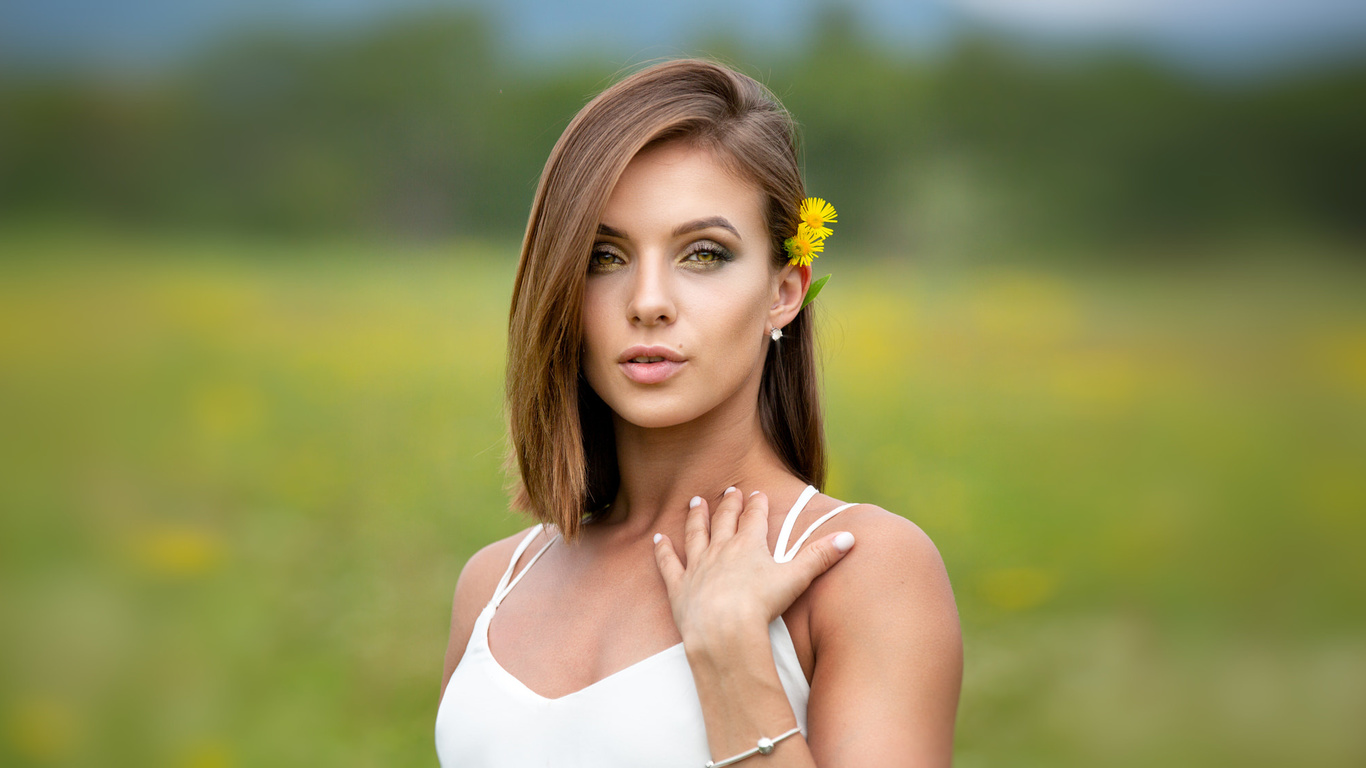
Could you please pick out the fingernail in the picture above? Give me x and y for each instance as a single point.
(695, 501)
(729, 490)
(658, 536)
(753, 494)
(844, 540)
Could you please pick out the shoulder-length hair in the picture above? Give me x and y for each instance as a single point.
(560, 433)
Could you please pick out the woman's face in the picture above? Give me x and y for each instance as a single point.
(681, 291)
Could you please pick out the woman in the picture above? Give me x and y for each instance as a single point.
(664, 417)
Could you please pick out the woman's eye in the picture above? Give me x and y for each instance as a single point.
(602, 258)
(708, 255)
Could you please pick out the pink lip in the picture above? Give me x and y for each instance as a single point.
(643, 351)
(650, 373)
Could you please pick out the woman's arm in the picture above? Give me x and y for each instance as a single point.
(888, 649)
(884, 633)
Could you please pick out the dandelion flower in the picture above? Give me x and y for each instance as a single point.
(815, 213)
(805, 246)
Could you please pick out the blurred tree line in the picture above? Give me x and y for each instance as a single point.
(423, 128)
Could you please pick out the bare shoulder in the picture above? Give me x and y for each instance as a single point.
(474, 588)
(887, 644)
(894, 563)
(886, 537)
(480, 574)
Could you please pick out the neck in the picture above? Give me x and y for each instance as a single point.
(662, 469)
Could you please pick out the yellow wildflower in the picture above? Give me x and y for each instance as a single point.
(815, 213)
(805, 246)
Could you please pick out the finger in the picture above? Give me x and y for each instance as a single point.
(724, 521)
(696, 529)
(754, 517)
(818, 556)
(667, 560)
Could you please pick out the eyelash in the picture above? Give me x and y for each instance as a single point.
(720, 255)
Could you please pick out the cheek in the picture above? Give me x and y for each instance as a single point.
(737, 321)
(743, 308)
(592, 326)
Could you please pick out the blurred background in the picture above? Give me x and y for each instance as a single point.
(1096, 325)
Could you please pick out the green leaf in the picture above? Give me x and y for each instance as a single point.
(816, 286)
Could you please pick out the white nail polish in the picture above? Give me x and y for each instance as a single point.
(753, 494)
(729, 490)
(658, 536)
(844, 540)
(695, 501)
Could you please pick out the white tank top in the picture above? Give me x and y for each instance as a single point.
(645, 714)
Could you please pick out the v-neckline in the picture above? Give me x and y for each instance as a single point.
(521, 686)
(653, 658)
(517, 684)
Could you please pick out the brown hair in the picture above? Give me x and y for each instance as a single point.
(560, 432)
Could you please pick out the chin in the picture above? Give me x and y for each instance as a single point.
(658, 415)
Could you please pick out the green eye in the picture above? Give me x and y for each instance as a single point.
(708, 254)
(601, 259)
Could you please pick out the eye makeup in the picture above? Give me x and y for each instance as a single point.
(699, 256)
(605, 258)
(706, 254)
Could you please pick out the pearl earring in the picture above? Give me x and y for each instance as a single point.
(775, 334)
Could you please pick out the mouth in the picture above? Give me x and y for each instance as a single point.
(652, 354)
(650, 365)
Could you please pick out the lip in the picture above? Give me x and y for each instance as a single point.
(643, 351)
(650, 373)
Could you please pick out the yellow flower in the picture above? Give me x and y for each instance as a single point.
(815, 213)
(805, 246)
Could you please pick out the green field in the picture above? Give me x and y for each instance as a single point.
(240, 479)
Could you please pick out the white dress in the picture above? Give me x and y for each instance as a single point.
(647, 714)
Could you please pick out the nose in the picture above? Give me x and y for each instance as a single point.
(651, 301)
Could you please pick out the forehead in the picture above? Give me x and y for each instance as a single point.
(675, 182)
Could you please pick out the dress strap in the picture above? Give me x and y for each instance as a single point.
(807, 493)
(505, 586)
(781, 553)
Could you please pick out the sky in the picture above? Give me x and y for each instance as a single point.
(149, 33)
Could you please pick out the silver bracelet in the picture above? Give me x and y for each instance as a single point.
(765, 747)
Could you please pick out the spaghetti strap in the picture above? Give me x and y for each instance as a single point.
(807, 494)
(505, 586)
(793, 552)
(781, 553)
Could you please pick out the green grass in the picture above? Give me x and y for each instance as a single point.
(240, 480)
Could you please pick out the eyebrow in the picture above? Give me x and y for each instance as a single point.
(714, 221)
(682, 229)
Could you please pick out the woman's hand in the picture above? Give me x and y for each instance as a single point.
(731, 582)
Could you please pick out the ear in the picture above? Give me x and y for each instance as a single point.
(788, 294)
